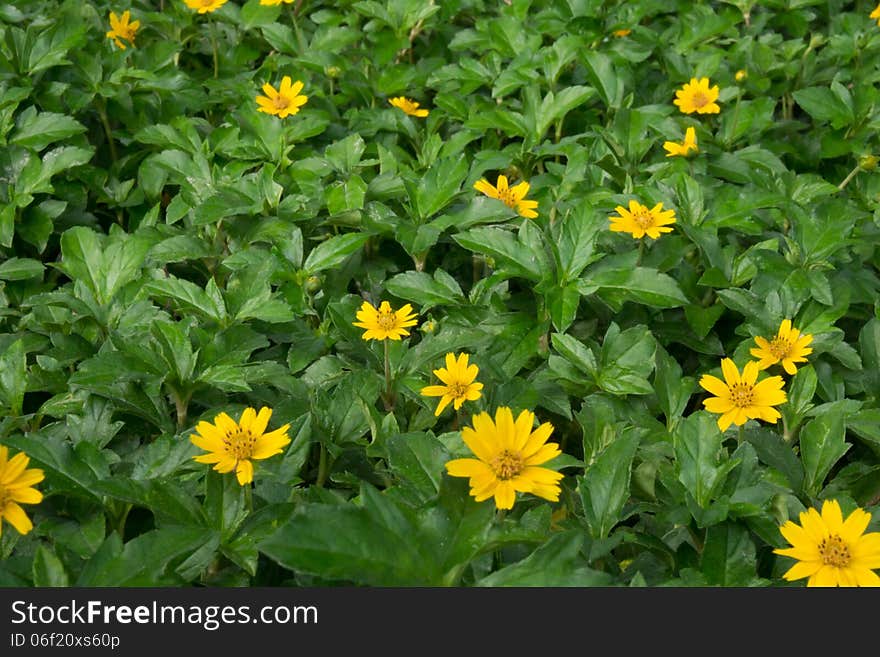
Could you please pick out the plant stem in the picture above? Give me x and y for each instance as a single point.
(108, 131)
(641, 252)
(322, 467)
(389, 395)
(213, 34)
(849, 176)
(249, 498)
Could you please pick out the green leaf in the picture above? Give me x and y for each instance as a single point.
(562, 302)
(777, 453)
(673, 390)
(370, 544)
(39, 130)
(438, 186)
(424, 290)
(334, 251)
(604, 488)
(188, 296)
(626, 360)
(698, 460)
(575, 353)
(642, 284)
(19, 269)
(418, 459)
(13, 377)
(346, 196)
(869, 348)
(833, 104)
(601, 73)
(728, 557)
(511, 255)
(823, 444)
(557, 563)
(48, 569)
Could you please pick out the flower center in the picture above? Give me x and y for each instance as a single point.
(699, 99)
(507, 465)
(386, 321)
(280, 102)
(742, 395)
(834, 551)
(239, 443)
(780, 347)
(643, 218)
(507, 197)
(458, 389)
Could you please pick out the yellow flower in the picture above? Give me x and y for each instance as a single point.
(508, 455)
(640, 221)
(233, 445)
(689, 144)
(274, 3)
(285, 101)
(384, 323)
(16, 480)
(205, 6)
(621, 33)
(513, 197)
(459, 387)
(832, 551)
(120, 28)
(740, 398)
(789, 346)
(741, 75)
(875, 14)
(696, 96)
(410, 107)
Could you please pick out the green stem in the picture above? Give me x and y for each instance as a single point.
(849, 176)
(322, 467)
(740, 434)
(249, 498)
(641, 251)
(730, 141)
(294, 11)
(108, 131)
(389, 394)
(213, 33)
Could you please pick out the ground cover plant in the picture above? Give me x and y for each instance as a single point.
(414, 293)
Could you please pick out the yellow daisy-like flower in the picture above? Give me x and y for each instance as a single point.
(697, 96)
(284, 102)
(684, 148)
(741, 75)
(740, 398)
(120, 28)
(831, 551)
(205, 6)
(16, 480)
(789, 347)
(513, 197)
(384, 323)
(459, 385)
(508, 455)
(234, 445)
(875, 14)
(410, 107)
(640, 221)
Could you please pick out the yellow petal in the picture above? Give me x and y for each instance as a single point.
(244, 472)
(17, 518)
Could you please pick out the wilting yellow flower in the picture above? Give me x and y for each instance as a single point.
(458, 383)
(410, 107)
(508, 455)
(284, 102)
(789, 346)
(696, 96)
(384, 323)
(621, 33)
(16, 480)
(832, 551)
(739, 398)
(233, 445)
(205, 6)
(684, 148)
(741, 75)
(513, 197)
(875, 14)
(120, 28)
(640, 221)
